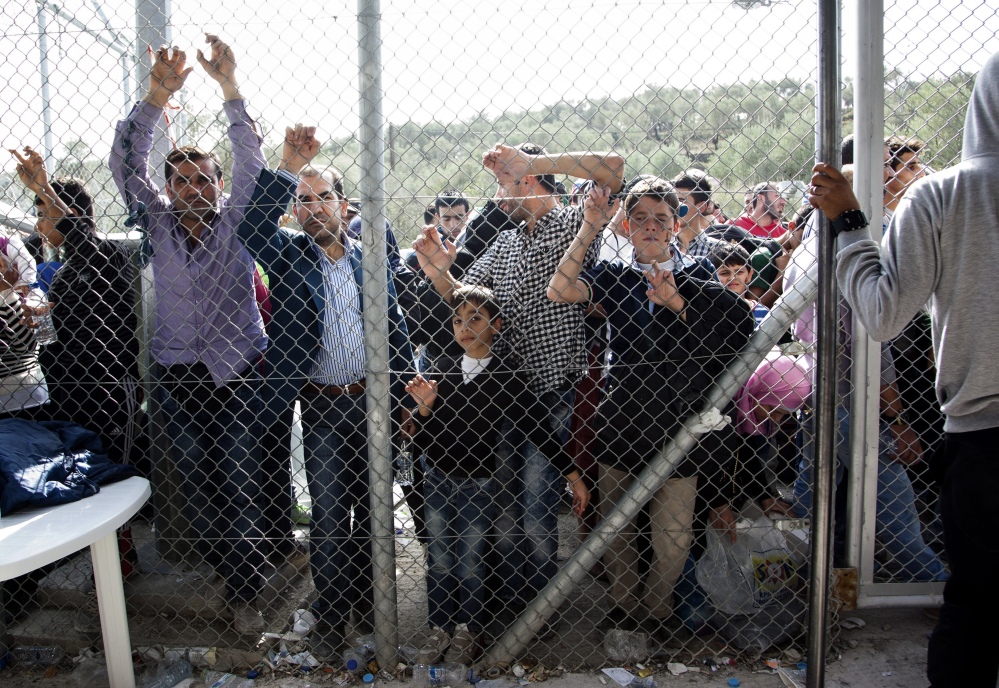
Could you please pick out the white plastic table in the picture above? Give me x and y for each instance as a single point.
(31, 539)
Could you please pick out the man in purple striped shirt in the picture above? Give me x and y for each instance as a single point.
(209, 334)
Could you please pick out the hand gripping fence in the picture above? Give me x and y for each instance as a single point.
(785, 311)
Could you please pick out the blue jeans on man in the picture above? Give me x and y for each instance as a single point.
(459, 514)
(214, 435)
(334, 432)
(898, 527)
(528, 495)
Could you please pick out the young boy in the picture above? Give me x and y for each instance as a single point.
(735, 272)
(671, 335)
(460, 414)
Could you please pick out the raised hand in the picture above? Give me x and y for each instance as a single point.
(424, 393)
(663, 291)
(506, 162)
(598, 209)
(435, 256)
(221, 65)
(31, 169)
(300, 147)
(8, 273)
(168, 74)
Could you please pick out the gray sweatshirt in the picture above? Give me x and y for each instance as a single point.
(942, 248)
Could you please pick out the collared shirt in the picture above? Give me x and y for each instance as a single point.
(205, 306)
(702, 245)
(340, 359)
(544, 338)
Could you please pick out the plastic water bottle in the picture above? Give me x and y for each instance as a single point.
(169, 676)
(433, 675)
(404, 467)
(356, 659)
(42, 319)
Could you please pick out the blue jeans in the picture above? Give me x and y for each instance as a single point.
(459, 514)
(217, 455)
(528, 493)
(336, 468)
(898, 527)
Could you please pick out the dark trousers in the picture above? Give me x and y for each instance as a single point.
(962, 647)
(277, 493)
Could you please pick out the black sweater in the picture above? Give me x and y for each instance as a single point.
(94, 310)
(461, 434)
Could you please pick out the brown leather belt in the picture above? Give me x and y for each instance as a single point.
(353, 389)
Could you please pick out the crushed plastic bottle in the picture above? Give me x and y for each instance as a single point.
(436, 675)
(625, 646)
(219, 679)
(91, 673)
(404, 467)
(36, 655)
(168, 675)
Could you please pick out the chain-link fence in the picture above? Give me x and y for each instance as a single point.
(596, 460)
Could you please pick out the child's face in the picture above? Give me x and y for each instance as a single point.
(735, 277)
(651, 226)
(474, 331)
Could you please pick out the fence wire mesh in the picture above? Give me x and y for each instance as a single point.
(546, 336)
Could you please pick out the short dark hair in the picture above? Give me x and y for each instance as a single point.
(448, 198)
(655, 187)
(482, 298)
(330, 175)
(546, 180)
(696, 183)
(193, 154)
(846, 150)
(430, 213)
(73, 192)
(897, 147)
(732, 255)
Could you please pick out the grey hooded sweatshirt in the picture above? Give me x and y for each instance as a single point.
(942, 248)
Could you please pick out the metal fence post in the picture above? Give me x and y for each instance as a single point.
(376, 344)
(785, 311)
(828, 142)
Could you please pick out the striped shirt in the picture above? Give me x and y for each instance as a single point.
(541, 337)
(22, 384)
(340, 360)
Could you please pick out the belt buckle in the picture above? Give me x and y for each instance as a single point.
(344, 389)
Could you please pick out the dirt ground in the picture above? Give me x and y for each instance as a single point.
(889, 651)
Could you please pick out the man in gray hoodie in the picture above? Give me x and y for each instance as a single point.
(941, 249)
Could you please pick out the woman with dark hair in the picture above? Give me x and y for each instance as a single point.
(92, 367)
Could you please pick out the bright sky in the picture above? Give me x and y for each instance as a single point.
(450, 59)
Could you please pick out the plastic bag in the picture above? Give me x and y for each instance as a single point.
(745, 576)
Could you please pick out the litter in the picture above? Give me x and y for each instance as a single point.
(851, 622)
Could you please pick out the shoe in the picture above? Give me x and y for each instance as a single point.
(551, 627)
(87, 620)
(325, 641)
(662, 630)
(464, 647)
(433, 646)
(247, 619)
(620, 619)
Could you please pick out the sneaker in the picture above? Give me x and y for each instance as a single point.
(247, 619)
(464, 647)
(87, 619)
(433, 646)
(325, 640)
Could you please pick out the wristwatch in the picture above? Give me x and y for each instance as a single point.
(901, 418)
(848, 221)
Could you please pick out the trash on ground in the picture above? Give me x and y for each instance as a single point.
(619, 675)
(677, 668)
(851, 622)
